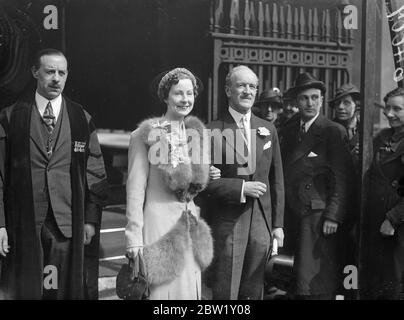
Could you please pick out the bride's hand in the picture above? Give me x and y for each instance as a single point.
(214, 173)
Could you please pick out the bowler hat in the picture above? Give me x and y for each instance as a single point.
(272, 95)
(306, 81)
(344, 90)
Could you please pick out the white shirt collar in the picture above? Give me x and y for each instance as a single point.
(308, 124)
(41, 103)
(237, 115)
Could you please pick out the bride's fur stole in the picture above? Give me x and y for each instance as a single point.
(165, 258)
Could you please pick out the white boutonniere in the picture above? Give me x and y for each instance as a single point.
(262, 131)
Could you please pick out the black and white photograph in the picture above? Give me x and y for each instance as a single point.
(202, 150)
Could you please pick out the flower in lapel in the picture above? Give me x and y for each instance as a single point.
(264, 132)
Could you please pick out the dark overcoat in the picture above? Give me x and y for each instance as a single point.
(317, 167)
(384, 256)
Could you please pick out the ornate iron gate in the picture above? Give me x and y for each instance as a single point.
(277, 42)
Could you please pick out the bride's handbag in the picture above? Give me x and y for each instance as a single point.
(131, 282)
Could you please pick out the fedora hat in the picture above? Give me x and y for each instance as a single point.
(306, 81)
(273, 95)
(344, 90)
(287, 96)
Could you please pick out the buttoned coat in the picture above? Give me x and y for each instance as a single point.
(317, 167)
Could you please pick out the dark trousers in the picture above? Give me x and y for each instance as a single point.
(55, 253)
(253, 275)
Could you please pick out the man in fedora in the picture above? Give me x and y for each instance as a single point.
(269, 106)
(317, 167)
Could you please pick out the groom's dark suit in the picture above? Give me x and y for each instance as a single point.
(242, 231)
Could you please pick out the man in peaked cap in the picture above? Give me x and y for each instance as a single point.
(317, 167)
(269, 105)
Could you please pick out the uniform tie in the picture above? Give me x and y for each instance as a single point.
(49, 117)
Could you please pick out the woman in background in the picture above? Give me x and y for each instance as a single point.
(384, 243)
(346, 105)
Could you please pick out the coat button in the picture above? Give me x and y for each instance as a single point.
(308, 186)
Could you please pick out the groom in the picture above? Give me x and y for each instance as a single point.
(245, 206)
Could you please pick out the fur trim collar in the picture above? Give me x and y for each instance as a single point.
(184, 160)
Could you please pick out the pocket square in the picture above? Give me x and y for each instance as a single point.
(312, 155)
(267, 145)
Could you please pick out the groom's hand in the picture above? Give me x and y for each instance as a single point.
(254, 189)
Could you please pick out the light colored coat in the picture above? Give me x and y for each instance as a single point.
(153, 210)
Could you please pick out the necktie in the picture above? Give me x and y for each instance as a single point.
(303, 128)
(243, 126)
(302, 131)
(49, 117)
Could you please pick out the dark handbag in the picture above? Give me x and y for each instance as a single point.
(131, 282)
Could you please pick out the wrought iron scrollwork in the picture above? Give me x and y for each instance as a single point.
(19, 39)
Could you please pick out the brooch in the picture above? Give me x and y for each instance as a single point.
(387, 147)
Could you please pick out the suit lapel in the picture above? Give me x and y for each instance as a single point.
(257, 141)
(310, 139)
(35, 131)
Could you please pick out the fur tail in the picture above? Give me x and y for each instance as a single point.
(165, 257)
(202, 243)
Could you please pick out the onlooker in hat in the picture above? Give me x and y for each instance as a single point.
(346, 105)
(269, 105)
(289, 106)
(289, 109)
(317, 167)
(383, 250)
